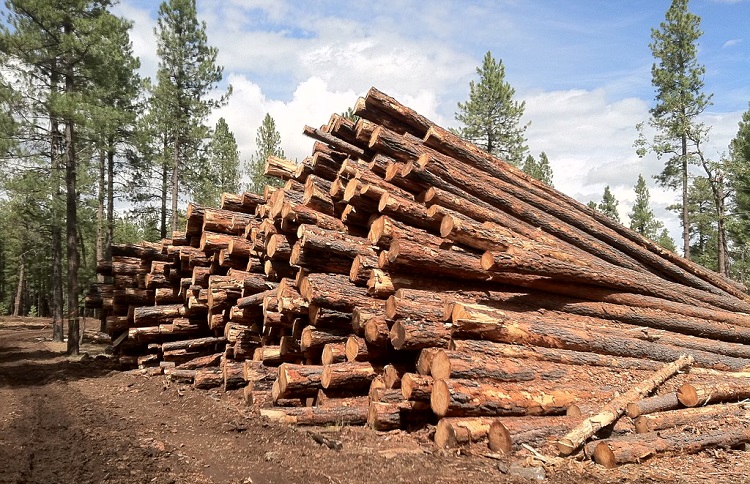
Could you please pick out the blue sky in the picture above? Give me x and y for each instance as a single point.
(581, 66)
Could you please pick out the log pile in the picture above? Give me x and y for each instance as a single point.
(402, 277)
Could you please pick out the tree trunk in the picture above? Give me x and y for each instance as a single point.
(19, 288)
(688, 416)
(685, 211)
(56, 222)
(71, 212)
(175, 180)
(164, 192)
(99, 253)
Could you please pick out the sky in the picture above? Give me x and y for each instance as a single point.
(582, 67)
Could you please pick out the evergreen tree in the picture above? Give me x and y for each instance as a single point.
(60, 52)
(678, 78)
(491, 118)
(541, 169)
(180, 100)
(608, 205)
(642, 218)
(222, 171)
(268, 142)
(704, 235)
(738, 173)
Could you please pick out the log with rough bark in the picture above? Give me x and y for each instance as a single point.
(298, 381)
(457, 431)
(319, 416)
(409, 334)
(201, 362)
(350, 375)
(657, 403)
(334, 291)
(457, 364)
(314, 339)
(333, 353)
(639, 447)
(154, 315)
(616, 407)
(692, 395)
(416, 387)
(232, 374)
(688, 416)
(470, 398)
(206, 378)
(385, 416)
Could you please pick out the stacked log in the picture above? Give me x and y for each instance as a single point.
(402, 277)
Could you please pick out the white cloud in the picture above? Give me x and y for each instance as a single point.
(731, 43)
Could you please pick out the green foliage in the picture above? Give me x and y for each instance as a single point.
(608, 205)
(268, 142)
(539, 169)
(349, 114)
(738, 174)
(221, 172)
(491, 118)
(642, 218)
(678, 78)
(180, 100)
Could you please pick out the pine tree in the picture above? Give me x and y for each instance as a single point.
(268, 142)
(541, 169)
(608, 205)
(491, 118)
(738, 173)
(221, 173)
(180, 100)
(678, 78)
(642, 218)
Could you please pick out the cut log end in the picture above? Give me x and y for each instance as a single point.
(499, 439)
(603, 455)
(687, 394)
(440, 398)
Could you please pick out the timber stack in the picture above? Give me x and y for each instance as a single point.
(401, 277)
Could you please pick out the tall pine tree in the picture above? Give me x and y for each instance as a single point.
(608, 205)
(491, 118)
(678, 78)
(642, 218)
(186, 75)
(539, 169)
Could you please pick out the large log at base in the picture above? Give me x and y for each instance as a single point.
(206, 378)
(692, 395)
(470, 398)
(314, 339)
(658, 403)
(319, 416)
(232, 375)
(688, 416)
(201, 362)
(350, 375)
(639, 447)
(457, 431)
(385, 416)
(616, 407)
(531, 331)
(298, 381)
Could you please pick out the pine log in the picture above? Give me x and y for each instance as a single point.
(453, 432)
(469, 398)
(154, 315)
(639, 447)
(616, 407)
(693, 395)
(232, 374)
(319, 416)
(377, 332)
(534, 331)
(416, 387)
(178, 375)
(688, 416)
(334, 291)
(408, 334)
(314, 339)
(317, 261)
(328, 318)
(606, 275)
(333, 353)
(554, 355)
(462, 365)
(201, 362)
(658, 403)
(350, 375)
(298, 381)
(358, 349)
(206, 378)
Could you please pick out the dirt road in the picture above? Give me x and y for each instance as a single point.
(65, 420)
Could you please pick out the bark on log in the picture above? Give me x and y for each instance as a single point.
(469, 398)
(206, 378)
(688, 416)
(409, 334)
(639, 447)
(416, 387)
(453, 432)
(350, 375)
(314, 339)
(693, 395)
(318, 416)
(658, 403)
(334, 291)
(616, 407)
(333, 353)
(298, 381)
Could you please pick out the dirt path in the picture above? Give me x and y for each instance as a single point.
(63, 420)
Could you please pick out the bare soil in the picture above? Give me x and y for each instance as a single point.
(81, 420)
